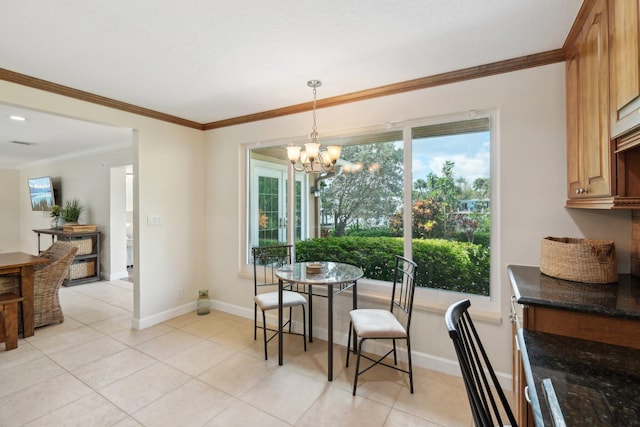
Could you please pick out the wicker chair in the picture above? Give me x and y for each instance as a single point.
(47, 280)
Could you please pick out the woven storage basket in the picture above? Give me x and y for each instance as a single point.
(84, 245)
(81, 269)
(579, 260)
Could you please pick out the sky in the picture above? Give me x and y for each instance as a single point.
(469, 152)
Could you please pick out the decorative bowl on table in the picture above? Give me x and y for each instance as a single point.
(314, 268)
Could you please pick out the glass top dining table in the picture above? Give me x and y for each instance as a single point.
(336, 277)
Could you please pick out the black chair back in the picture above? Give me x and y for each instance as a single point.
(480, 380)
(403, 290)
(266, 260)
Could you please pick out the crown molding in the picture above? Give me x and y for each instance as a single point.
(523, 62)
(470, 73)
(36, 83)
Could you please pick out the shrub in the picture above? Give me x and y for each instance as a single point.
(442, 264)
(370, 232)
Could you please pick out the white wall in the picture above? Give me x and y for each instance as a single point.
(169, 167)
(532, 175)
(9, 210)
(86, 178)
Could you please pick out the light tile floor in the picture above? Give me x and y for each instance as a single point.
(94, 370)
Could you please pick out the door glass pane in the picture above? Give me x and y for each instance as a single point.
(268, 198)
(268, 212)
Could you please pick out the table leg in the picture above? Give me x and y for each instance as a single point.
(26, 286)
(330, 334)
(310, 313)
(280, 334)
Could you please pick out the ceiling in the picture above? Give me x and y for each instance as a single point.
(210, 60)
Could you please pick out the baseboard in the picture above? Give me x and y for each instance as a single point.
(118, 275)
(163, 316)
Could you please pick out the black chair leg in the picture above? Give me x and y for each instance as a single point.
(304, 327)
(349, 344)
(290, 319)
(255, 322)
(395, 355)
(264, 331)
(410, 366)
(355, 379)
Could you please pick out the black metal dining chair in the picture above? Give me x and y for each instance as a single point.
(488, 402)
(266, 260)
(380, 324)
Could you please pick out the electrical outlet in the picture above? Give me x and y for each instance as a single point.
(180, 293)
(340, 316)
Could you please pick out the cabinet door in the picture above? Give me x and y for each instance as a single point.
(574, 151)
(594, 82)
(625, 65)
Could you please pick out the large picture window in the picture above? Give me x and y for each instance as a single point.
(422, 190)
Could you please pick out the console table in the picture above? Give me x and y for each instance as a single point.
(85, 267)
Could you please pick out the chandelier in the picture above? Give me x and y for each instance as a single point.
(313, 159)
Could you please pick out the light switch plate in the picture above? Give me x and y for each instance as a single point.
(153, 220)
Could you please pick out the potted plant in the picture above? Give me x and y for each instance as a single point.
(56, 212)
(72, 211)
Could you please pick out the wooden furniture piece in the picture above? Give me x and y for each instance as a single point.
(624, 36)
(584, 337)
(9, 320)
(487, 399)
(603, 98)
(22, 264)
(47, 280)
(86, 264)
(335, 277)
(266, 260)
(393, 324)
(587, 74)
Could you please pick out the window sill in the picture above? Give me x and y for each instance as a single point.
(378, 292)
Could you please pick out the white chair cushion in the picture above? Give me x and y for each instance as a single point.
(269, 300)
(374, 323)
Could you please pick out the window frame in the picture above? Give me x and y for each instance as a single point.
(435, 300)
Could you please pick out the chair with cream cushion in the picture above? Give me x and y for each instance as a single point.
(380, 324)
(266, 260)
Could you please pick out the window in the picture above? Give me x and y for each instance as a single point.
(433, 176)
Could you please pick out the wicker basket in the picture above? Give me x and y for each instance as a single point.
(579, 260)
(84, 245)
(80, 269)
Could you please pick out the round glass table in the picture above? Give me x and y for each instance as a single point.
(336, 277)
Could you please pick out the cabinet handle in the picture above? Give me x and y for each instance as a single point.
(581, 191)
(526, 394)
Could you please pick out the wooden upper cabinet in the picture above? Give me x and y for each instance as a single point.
(603, 106)
(588, 143)
(574, 156)
(624, 39)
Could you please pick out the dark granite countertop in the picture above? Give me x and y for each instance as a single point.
(621, 299)
(596, 384)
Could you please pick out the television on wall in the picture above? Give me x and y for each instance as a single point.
(41, 193)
